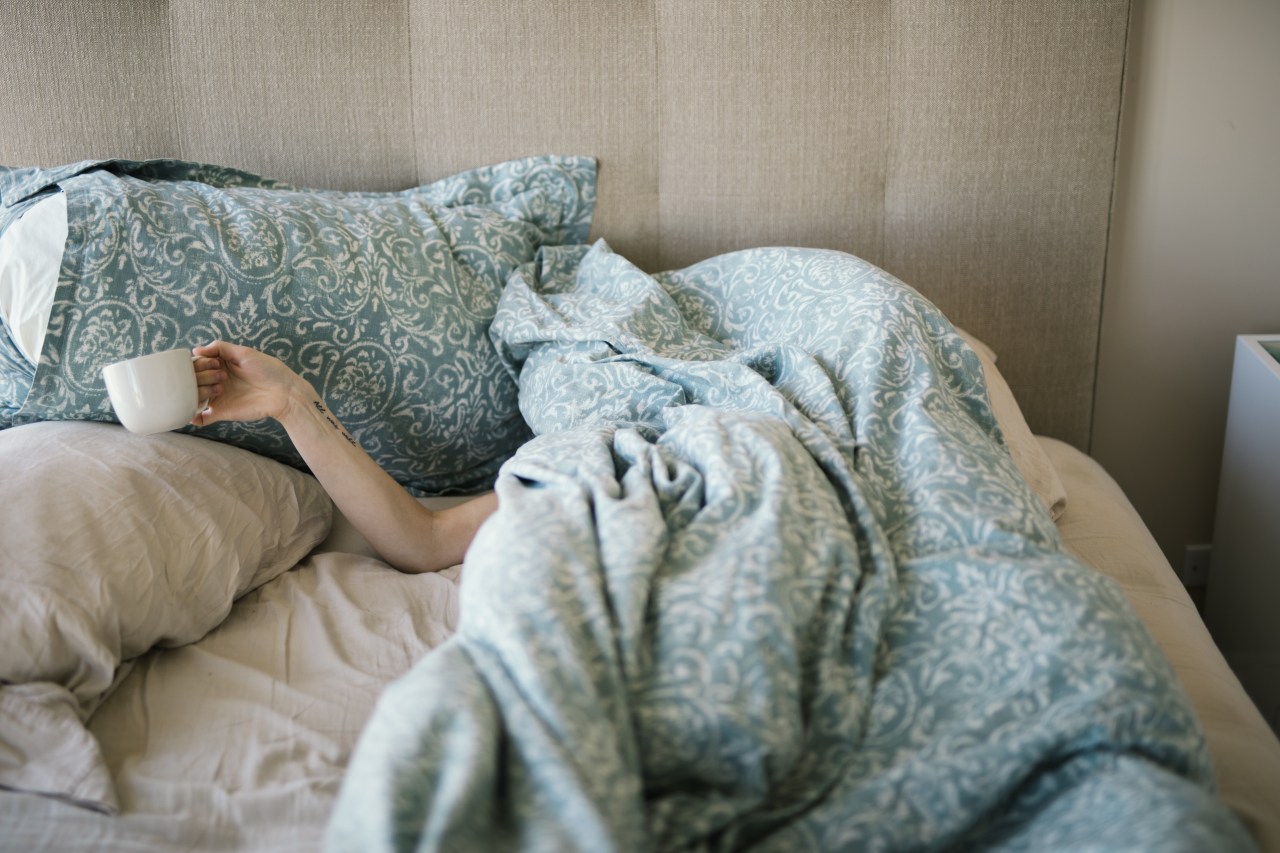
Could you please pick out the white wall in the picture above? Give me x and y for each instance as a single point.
(1194, 256)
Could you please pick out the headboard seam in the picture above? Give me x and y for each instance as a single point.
(175, 126)
(413, 101)
(890, 130)
(658, 105)
(1106, 239)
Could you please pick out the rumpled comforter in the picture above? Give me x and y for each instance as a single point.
(768, 577)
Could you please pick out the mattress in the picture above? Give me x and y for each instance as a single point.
(239, 741)
(1101, 527)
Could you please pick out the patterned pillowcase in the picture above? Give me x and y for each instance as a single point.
(15, 378)
(381, 300)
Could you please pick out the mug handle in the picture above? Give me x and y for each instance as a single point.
(203, 404)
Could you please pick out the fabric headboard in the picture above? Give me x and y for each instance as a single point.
(968, 148)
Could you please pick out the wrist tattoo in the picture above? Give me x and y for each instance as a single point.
(333, 423)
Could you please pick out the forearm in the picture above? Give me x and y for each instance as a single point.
(242, 384)
(403, 532)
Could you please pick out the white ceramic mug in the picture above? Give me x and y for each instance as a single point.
(154, 393)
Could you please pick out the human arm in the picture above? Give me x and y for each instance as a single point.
(243, 384)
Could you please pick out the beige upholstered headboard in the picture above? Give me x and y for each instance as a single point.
(967, 147)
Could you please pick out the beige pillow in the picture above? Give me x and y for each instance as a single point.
(1027, 453)
(114, 543)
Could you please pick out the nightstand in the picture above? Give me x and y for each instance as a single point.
(1243, 597)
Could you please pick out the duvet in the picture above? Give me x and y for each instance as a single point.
(767, 576)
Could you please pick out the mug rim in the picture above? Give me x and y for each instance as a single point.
(149, 355)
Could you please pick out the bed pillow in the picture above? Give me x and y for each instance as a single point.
(381, 300)
(1027, 453)
(115, 543)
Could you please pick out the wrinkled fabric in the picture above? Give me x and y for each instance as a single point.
(767, 577)
(112, 544)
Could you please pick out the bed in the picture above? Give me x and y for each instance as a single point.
(773, 328)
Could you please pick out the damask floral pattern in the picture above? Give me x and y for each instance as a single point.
(15, 378)
(381, 300)
(767, 577)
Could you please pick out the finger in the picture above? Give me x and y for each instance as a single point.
(209, 377)
(205, 416)
(203, 363)
(209, 393)
(228, 353)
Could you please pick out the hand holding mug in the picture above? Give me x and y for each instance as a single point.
(242, 384)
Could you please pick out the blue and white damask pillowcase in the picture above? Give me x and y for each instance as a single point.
(381, 300)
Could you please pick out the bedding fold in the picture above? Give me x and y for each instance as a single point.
(45, 748)
(768, 576)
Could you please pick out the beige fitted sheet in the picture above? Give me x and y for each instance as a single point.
(1101, 527)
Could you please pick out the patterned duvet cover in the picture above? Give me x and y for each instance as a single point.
(767, 577)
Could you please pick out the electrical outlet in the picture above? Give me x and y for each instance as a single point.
(1195, 566)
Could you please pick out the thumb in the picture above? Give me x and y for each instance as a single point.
(205, 416)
